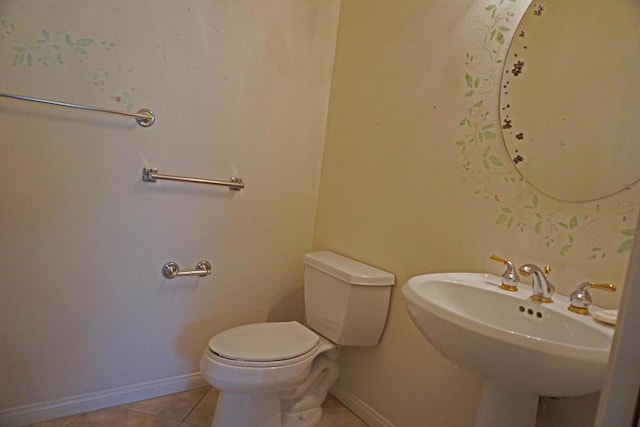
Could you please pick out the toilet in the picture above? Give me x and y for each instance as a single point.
(276, 374)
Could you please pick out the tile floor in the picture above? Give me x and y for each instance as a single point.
(193, 408)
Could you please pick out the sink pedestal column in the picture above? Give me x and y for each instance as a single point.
(500, 406)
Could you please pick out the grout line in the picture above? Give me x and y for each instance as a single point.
(73, 418)
(197, 403)
(165, 418)
(183, 420)
(146, 413)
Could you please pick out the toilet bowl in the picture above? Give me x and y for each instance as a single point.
(269, 374)
(277, 374)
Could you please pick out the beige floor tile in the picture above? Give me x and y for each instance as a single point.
(202, 414)
(173, 406)
(331, 402)
(171, 410)
(334, 413)
(339, 416)
(120, 417)
(59, 422)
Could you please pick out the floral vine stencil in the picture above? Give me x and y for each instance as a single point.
(604, 227)
(48, 48)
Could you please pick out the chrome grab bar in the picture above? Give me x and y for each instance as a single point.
(151, 175)
(144, 117)
(171, 270)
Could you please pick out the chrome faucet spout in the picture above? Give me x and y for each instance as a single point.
(543, 289)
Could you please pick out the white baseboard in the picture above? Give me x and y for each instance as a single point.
(38, 412)
(358, 407)
(44, 411)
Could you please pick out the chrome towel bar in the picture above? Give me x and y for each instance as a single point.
(144, 117)
(171, 270)
(151, 175)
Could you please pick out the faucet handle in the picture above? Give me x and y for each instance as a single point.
(581, 299)
(510, 277)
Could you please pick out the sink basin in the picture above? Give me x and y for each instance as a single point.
(517, 345)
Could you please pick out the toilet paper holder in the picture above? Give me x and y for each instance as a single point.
(171, 270)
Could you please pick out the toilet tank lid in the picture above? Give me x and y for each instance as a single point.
(348, 270)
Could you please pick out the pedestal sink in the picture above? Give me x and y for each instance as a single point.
(523, 349)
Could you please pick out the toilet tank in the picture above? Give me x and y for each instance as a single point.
(346, 301)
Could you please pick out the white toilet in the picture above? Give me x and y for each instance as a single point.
(277, 374)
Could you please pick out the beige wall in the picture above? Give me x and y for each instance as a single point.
(238, 87)
(397, 191)
(242, 88)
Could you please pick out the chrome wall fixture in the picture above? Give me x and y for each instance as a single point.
(151, 175)
(144, 117)
(171, 270)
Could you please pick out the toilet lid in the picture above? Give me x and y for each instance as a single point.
(262, 342)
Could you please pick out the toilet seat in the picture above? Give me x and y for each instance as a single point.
(264, 344)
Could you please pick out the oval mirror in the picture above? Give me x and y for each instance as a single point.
(570, 97)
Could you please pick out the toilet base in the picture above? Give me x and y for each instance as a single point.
(264, 410)
(307, 418)
(247, 410)
(296, 406)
